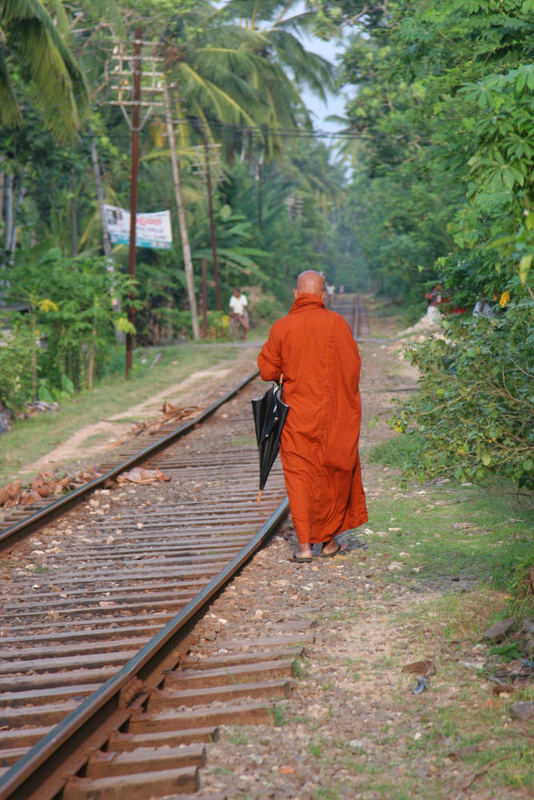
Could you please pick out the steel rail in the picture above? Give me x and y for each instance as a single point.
(25, 780)
(67, 500)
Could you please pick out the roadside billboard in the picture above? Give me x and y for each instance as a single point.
(152, 230)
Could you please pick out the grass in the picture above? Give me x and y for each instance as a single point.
(396, 451)
(316, 748)
(32, 438)
(279, 715)
(353, 666)
(239, 736)
(299, 667)
(453, 533)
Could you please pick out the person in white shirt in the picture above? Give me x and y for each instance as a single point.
(238, 310)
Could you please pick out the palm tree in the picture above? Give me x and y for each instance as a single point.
(210, 71)
(228, 84)
(279, 40)
(31, 43)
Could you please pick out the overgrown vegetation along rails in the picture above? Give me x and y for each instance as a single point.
(473, 416)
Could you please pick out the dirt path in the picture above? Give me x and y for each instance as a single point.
(86, 444)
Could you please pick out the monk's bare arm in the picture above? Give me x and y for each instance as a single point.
(270, 359)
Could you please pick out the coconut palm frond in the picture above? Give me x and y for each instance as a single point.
(228, 59)
(61, 20)
(308, 68)
(22, 9)
(258, 10)
(56, 95)
(9, 110)
(236, 37)
(298, 22)
(196, 88)
(57, 82)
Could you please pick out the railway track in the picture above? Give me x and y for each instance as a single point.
(353, 309)
(20, 520)
(114, 674)
(112, 677)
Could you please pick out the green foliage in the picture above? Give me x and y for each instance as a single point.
(398, 452)
(268, 309)
(15, 366)
(508, 651)
(442, 189)
(71, 311)
(476, 405)
(48, 392)
(218, 325)
(519, 587)
(279, 714)
(443, 165)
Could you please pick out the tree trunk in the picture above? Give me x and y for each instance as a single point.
(181, 218)
(100, 199)
(2, 180)
(212, 225)
(258, 185)
(73, 216)
(3, 285)
(91, 366)
(204, 297)
(249, 138)
(34, 354)
(13, 238)
(9, 212)
(106, 243)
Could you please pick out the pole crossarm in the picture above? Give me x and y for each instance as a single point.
(135, 62)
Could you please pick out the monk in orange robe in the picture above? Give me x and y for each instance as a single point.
(315, 352)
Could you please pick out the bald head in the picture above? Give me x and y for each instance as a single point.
(310, 282)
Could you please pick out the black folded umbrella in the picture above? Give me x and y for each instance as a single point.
(269, 416)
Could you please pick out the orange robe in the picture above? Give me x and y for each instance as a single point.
(314, 350)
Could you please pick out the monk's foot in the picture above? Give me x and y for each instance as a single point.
(302, 554)
(333, 548)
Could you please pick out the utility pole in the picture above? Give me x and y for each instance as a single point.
(208, 164)
(212, 225)
(129, 73)
(133, 190)
(188, 264)
(204, 297)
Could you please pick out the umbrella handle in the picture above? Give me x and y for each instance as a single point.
(259, 496)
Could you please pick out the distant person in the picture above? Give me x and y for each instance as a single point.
(434, 298)
(341, 288)
(238, 311)
(330, 292)
(315, 352)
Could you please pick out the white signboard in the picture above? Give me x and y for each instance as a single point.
(152, 230)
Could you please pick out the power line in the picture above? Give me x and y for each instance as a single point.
(254, 129)
(268, 130)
